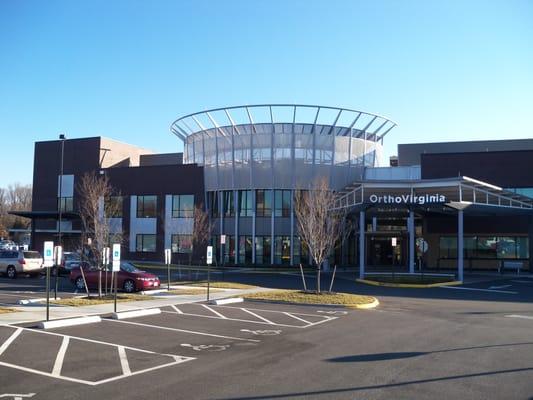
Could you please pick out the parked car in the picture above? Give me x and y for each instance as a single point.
(130, 279)
(14, 262)
(8, 245)
(70, 260)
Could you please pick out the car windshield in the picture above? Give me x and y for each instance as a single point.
(32, 254)
(128, 267)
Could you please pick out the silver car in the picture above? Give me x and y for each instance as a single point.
(8, 245)
(14, 262)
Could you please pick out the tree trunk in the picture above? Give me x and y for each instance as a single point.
(318, 278)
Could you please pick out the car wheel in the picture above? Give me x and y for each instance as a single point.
(80, 284)
(11, 272)
(129, 286)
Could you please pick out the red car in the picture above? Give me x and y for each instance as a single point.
(130, 279)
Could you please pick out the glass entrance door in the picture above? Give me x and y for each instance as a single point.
(385, 251)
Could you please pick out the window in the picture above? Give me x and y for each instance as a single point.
(486, 247)
(145, 243)
(183, 206)
(146, 206)
(282, 250)
(245, 249)
(228, 204)
(65, 204)
(263, 203)
(181, 243)
(282, 203)
(262, 249)
(245, 203)
(229, 249)
(212, 198)
(113, 207)
(448, 247)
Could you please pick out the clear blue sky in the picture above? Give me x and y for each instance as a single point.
(443, 70)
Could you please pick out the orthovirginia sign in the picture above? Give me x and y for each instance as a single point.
(407, 199)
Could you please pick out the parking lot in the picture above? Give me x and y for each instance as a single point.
(453, 345)
(99, 354)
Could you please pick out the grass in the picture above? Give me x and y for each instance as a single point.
(410, 279)
(300, 297)
(94, 300)
(217, 284)
(5, 310)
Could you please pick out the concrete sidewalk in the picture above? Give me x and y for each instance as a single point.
(37, 312)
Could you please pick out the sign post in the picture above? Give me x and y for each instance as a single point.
(168, 256)
(48, 263)
(58, 258)
(222, 248)
(105, 262)
(116, 268)
(209, 262)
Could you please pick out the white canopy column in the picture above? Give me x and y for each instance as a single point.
(361, 245)
(411, 229)
(460, 245)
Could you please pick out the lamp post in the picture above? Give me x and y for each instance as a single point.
(60, 209)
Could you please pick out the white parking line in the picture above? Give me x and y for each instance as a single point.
(477, 290)
(263, 321)
(124, 360)
(56, 371)
(298, 318)
(10, 340)
(214, 311)
(177, 309)
(257, 316)
(180, 330)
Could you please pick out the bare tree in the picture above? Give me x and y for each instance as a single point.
(320, 228)
(15, 197)
(98, 205)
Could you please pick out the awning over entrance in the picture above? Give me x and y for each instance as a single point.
(461, 193)
(452, 195)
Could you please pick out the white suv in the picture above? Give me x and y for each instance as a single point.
(20, 262)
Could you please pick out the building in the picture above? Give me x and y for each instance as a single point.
(245, 164)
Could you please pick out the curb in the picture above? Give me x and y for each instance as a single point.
(135, 313)
(230, 300)
(60, 323)
(408, 285)
(368, 306)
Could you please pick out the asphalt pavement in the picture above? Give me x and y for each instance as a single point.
(419, 343)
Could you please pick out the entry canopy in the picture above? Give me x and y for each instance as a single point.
(461, 193)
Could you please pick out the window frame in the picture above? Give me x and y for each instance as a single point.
(140, 212)
(142, 236)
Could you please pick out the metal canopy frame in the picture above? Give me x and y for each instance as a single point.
(471, 192)
(368, 128)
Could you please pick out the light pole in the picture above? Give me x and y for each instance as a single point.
(60, 209)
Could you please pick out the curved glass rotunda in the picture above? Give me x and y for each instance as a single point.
(256, 156)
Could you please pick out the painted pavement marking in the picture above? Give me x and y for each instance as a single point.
(10, 340)
(258, 319)
(477, 289)
(124, 360)
(56, 372)
(214, 311)
(180, 330)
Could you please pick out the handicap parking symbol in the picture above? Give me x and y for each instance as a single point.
(208, 347)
